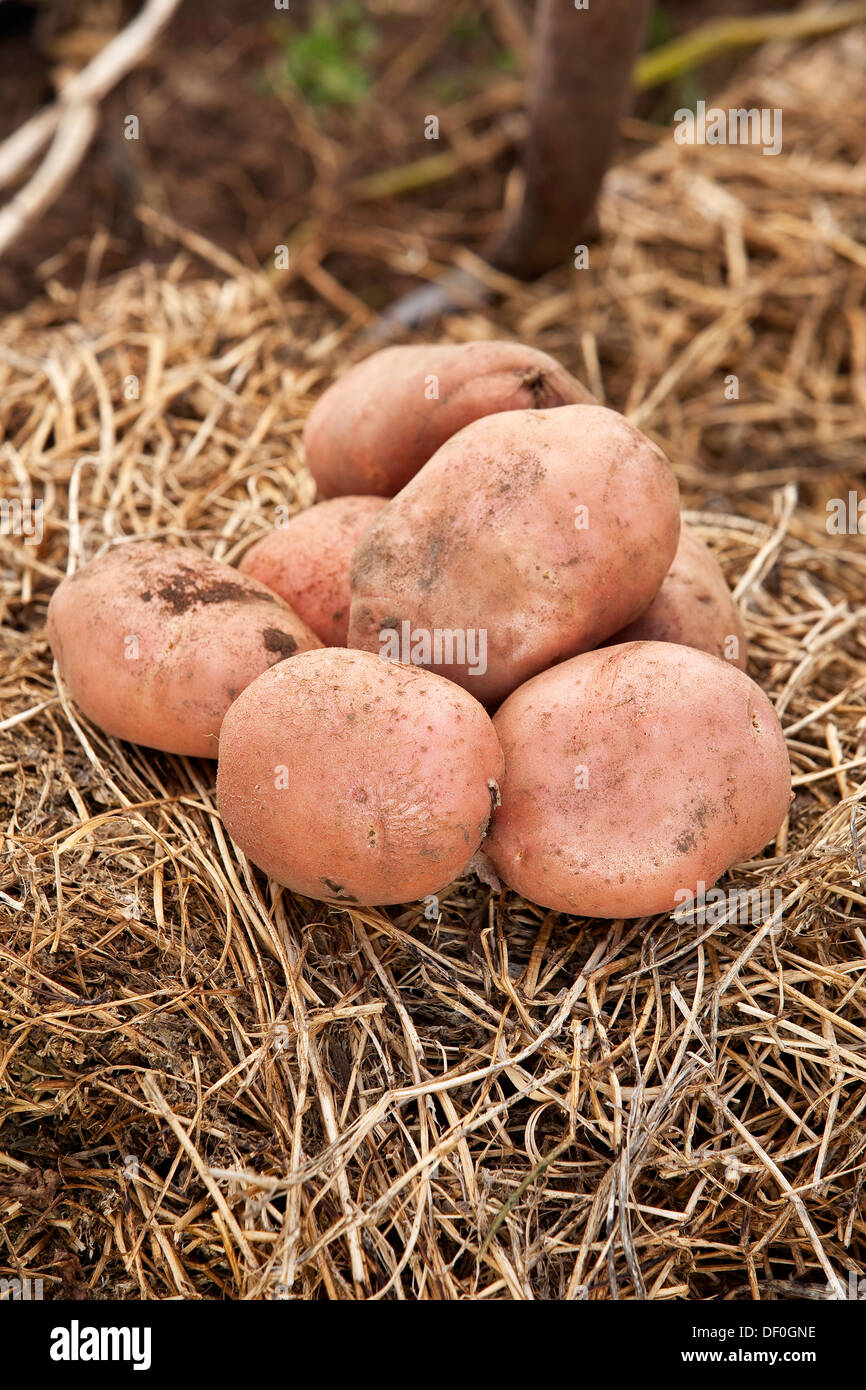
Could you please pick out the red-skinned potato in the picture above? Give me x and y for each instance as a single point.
(373, 429)
(532, 536)
(693, 607)
(634, 774)
(154, 642)
(307, 560)
(349, 778)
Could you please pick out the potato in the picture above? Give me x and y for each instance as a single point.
(527, 538)
(350, 778)
(307, 562)
(155, 642)
(694, 607)
(633, 775)
(373, 428)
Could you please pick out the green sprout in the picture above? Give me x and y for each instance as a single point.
(325, 61)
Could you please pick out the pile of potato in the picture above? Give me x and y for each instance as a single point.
(494, 645)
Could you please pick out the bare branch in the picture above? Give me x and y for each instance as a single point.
(71, 121)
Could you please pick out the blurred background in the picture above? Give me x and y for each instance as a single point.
(260, 126)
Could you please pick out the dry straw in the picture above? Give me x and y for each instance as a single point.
(210, 1088)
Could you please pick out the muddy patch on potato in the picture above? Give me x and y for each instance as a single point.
(189, 587)
(280, 642)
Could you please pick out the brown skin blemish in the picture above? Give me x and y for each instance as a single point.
(281, 642)
(189, 587)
